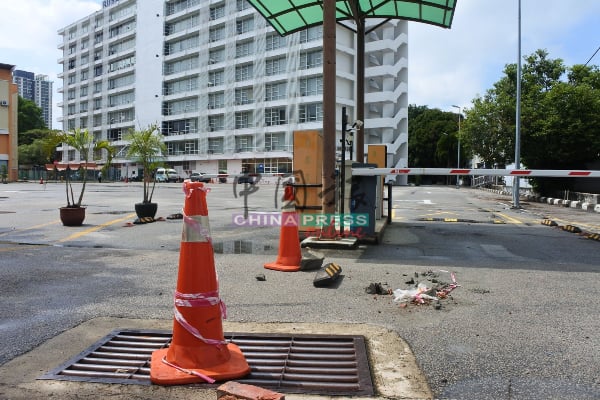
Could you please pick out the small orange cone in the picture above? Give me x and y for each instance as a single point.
(290, 255)
(198, 351)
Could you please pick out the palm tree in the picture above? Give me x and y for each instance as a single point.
(146, 146)
(83, 142)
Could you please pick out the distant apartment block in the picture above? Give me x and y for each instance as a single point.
(37, 88)
(226, 90)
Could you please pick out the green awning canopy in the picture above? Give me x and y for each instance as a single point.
(289, 16)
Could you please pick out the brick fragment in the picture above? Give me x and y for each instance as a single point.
(240, 391)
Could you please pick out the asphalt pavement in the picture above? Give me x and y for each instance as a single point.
(520, 326)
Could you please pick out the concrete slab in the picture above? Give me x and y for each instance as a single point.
(340, 243)
(393, 366)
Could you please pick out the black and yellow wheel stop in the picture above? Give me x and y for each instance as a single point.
(144, 220)
(549, 222)
(593, 236)
(327, 275)
(571, 228)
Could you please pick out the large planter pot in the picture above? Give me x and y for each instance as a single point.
(144, 210)
(72, 216)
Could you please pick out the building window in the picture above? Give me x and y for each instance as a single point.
(216, 33)
(275, 91)
(311, 59)
(244, 143)
(310, 34)
(274, 41)
(180, 106)
(215, 145)
(311, 86)
(217, 12)
(241, 5)
(182, 45)
(216, 78)
(275, 116)
(121, 64)
(311, 112)
(275, 66)
(216, 100)
(243, 96)
(243, 120)
(187, 64)
(216, 55)
(275, 141)
(244, 72)
(179, 127)
(180, 86)
(244, 25)
(216, 122)
(243, 49)
(84, 75)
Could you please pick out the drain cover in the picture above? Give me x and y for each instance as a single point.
(317, 364)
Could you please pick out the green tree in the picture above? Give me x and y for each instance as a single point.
(30, 116)
(559, 118)
(433, 139)
(33, 147)
(147, 147)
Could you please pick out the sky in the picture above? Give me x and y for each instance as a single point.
(446, 67)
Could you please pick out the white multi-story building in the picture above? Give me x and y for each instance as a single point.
(227, 91)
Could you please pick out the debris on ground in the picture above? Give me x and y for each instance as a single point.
(378, 288)
(311, 260)
(261, 277)
(429, 289)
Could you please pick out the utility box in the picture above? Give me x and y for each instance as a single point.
(363, 200)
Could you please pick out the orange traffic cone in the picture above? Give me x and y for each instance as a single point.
(41, 181)
(198, 351)
(289, 256)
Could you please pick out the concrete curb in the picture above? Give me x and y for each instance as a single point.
(590, 207)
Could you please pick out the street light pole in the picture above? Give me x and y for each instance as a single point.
(458, 151)
(343, 170)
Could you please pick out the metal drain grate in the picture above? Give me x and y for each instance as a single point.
(317, 364)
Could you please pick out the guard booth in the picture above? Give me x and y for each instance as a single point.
(363, 200)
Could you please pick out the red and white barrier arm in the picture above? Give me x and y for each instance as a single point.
(477, 172)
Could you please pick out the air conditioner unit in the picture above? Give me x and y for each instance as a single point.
(3, 103)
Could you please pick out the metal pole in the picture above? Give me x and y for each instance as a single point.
(360, 87)
(458, 150)
(343, 170)
(389, 203)
(328, 171)
(516, 188)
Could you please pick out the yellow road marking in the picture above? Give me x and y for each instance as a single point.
(3, 249)
(510, 219)
(95, 228)
(31, 227)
